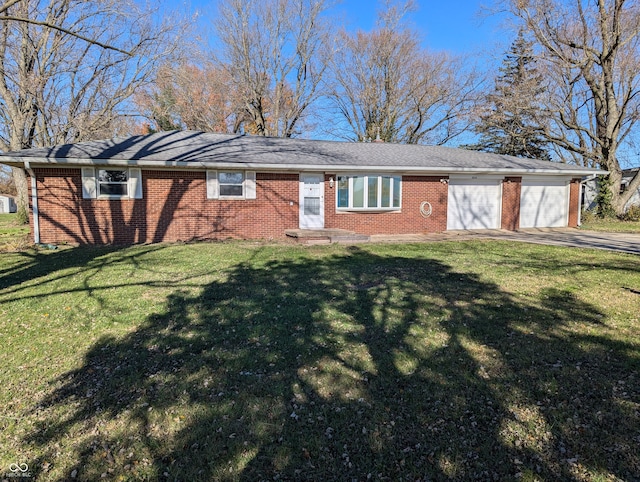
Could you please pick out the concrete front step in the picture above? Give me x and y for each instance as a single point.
(351, 239)
(326, 236)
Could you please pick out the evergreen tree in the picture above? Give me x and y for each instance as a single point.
(511, 120)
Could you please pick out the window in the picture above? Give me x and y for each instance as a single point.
(623, 186)
(368, 192)
(231, 185)
(112, 182)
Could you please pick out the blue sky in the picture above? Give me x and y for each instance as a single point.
(453, 25)
(456, 26)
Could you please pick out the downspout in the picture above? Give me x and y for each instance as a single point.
(582, 186)
(34, 202)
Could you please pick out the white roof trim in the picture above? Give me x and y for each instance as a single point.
(195, 165)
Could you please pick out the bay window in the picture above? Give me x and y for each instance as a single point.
(368, 192)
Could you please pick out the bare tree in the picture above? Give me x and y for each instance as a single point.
(592, 52)
(56, 87)
(4, 8)
(385, 85)
(272, 49)
(197, 97)
(7, 185)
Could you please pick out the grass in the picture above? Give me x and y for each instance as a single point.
(591, 222)
(243, 361)
(13, 236)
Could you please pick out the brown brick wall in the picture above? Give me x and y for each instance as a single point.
(415, 190)
(574, 202)
(174, 208)
(511, 190)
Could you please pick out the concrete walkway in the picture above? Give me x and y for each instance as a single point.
(621, 242)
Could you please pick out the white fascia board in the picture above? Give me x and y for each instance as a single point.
(435, 171)
(66, 162)
(457, 176)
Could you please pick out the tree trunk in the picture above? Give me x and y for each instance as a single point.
(620, 200)
(22, 198)
(591, 51)
(59, 85)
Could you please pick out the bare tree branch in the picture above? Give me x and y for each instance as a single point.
(67, 31)
(592, 50)
(59, 79)
(7, 5)
(384, 85)
(275, 52)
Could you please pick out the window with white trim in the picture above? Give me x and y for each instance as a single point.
(113, 182)
(231, 184)
(368, 192)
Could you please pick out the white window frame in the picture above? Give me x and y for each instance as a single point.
(91, 183)
(248, 185)
(101, 184)
(366, 176)
(222, 185)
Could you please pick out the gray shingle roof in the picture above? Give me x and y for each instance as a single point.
(202, 150)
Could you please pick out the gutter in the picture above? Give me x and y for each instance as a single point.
(34, 202)
(271, 166)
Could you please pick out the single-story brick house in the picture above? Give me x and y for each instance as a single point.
(185, 185)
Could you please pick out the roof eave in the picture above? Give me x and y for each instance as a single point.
(48, 161)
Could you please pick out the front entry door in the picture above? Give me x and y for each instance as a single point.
(311, 201)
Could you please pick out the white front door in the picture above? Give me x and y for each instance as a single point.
(311, 201)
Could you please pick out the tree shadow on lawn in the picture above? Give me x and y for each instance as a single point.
(32, 265)
(350, 367)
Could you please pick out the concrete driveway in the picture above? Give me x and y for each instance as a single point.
(621, 242)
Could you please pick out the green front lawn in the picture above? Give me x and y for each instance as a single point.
(13, 236)
(591, 222)
(612, 226)
(474, 360)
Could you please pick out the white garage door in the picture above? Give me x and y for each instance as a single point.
(474, 203)
(543, 203)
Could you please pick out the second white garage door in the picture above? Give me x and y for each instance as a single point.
(474, 203)
(543, 203)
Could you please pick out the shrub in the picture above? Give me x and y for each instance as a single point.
(604, 198)
(22, 216)
(632, 214)
(589, 215)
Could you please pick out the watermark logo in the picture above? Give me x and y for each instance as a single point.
(18, 470)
